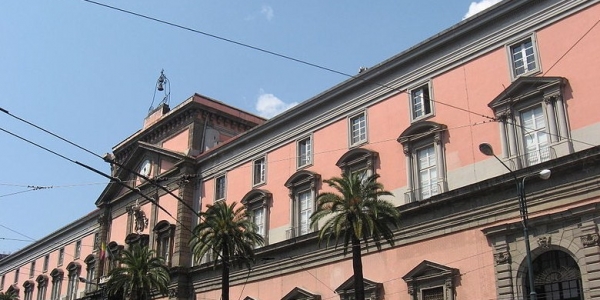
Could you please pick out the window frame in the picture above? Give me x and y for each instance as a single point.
(517, 43)
(77, 249)
(61, 256)
(429, 275)
(524, 94)
(419, 136)
(46, 263)
(256, 200)
(57, 277)
(74, 270)
(303, 163)
(411, 107)
(42, 286)
(220, 193)
(90, 274)
(300, 182)
(164, 237)
(261, 163)
(351, 142)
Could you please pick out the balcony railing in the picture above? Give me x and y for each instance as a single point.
(297, 231)
(424, 192)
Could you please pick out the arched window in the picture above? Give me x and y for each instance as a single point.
(302, 187)
(42, 283)
(73, 269)
(423, 145)
(257, 206)
(57, 277)
(164, 240)
(113, 251)
(28, 287)
(13, 289)
(90, 276)
(358, 160)
(556, 276)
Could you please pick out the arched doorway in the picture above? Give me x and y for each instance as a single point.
(556, 277)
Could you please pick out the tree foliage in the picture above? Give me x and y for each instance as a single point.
(138, 274)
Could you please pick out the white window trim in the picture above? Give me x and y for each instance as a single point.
(264, 177)
(216, 188)
(349, 120)
(515, 42)
(429, 84)
(311, 153)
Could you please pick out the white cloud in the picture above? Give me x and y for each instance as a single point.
(267, 11)
(476, 7)
(268, 105)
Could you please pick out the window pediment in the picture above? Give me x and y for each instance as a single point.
(256, 197)
(371, 287)
(298, 293)
(427, 270)
(28, 285)
(163, 227)
(57, 273)
(356, 156)
(526, 87)
(419, 130)
(302, 177)
(73, 268)
(42, 280)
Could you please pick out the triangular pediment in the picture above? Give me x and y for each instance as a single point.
(141, 153)
(428, 270)
(349, 285)
(526, 87)
(298, 293)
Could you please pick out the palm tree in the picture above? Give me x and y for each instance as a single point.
(356, 214)
(138, 274)
(228, 233)
(8, 296)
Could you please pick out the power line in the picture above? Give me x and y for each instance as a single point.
(21, 234)
(304, 62)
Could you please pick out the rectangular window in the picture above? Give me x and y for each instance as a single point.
(2, 282)
(535, 136)
(17, 276)
(77, 249)
(46, 261)
(32, 269)
(61, 256)
(56, 284)
(220, 185)
(259, 220)
(164, 247)
(436, 293)
(41, 295)
(305, 209)
(304, 154)
(259, 171)
(523, 57)
(358, 129)
(427, 172)
(420, 102)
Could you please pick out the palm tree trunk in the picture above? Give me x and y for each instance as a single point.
(225, 274)
(359, 285)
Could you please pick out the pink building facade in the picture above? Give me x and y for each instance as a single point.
(521, 77)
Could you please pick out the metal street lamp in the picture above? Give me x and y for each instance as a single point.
(486, 149)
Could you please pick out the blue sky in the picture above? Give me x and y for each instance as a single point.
(88, 73)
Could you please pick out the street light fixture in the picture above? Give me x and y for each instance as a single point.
(487, 149)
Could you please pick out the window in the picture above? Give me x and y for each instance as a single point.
(304, 152)
(431, 281)
(557, 276)
(358, 160)
(303, 188)
(77, 249)
(61, 256)
(17, 275)
(358, 129)
(74, 270)
(28, 287)
(256, 203)
(220, 186)
(113, 251)
(372, 289)
(32, 269)
(2, 281)
(533, 121)
(46, 261)
(421, 104)
(42, 283)
(90, 276)
(523, 57)
(424, 150)
(164, 240)
(96, 241)
(304, 149)
(259, 171)
(57, 277)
